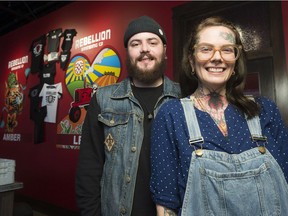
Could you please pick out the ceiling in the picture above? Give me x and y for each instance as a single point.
(15, 14)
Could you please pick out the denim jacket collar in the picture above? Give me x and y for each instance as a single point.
(124, 89)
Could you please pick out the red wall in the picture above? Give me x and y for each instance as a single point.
(48, 172)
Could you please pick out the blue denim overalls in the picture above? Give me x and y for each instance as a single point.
(221, 184)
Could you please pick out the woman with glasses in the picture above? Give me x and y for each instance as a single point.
(217, 151)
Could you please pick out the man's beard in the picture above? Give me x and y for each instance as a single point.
(146, 76)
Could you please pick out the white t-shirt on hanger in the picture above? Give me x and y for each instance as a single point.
(50, 95)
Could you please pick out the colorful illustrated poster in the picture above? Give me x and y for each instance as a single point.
(13, 96)
(82, 80)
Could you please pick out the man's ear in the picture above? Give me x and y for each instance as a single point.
(165, 48)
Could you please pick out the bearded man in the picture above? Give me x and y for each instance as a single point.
(113, 171)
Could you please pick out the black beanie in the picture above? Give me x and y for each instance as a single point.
(143, 24)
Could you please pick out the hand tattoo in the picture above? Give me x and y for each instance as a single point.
(168, 212)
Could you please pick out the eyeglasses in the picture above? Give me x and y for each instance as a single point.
(229, 52)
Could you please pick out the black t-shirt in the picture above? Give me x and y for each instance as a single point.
(37, 53)
(35, 101)
(48, 73)
(37, 113)
(53, 38)
(68, 39)
(64, 59)
(143, 204)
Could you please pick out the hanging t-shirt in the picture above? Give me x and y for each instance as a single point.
(48, 73)
(37, 114)
(34, 101)
(50, 95)
(37, 52)
(64, 59)
(54, 40)
(68, 39)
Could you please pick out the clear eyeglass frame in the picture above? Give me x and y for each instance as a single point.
(228, 52)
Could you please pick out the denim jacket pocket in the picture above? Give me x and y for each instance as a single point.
(116, 127)
(111, 119)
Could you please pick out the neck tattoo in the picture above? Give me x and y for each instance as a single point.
(214, 104)
(215, 101)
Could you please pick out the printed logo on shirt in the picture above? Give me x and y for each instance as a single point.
(38, 49)
(46, 75)
(64, 57)
(109, 142)
(34, 92)
(68, 37)
(50, 99)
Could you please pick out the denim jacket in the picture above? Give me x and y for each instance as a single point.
(122, 117)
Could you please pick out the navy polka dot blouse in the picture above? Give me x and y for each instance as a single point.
(171, 152)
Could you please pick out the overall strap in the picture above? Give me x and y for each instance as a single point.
(191, 120)
(255, 127)
(256, 132)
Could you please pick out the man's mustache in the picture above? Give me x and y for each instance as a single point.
(142, 55)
